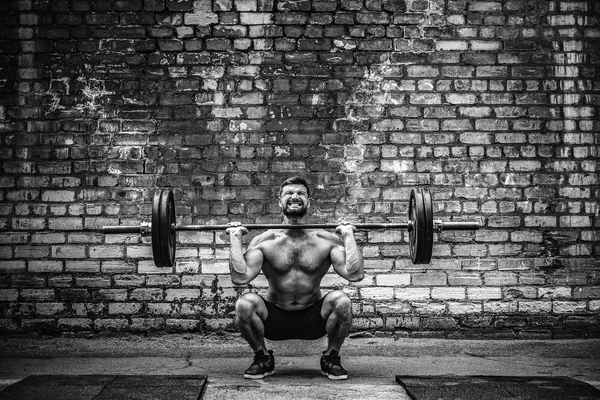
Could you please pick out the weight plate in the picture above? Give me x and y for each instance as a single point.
(167, 230)
(172, 232)
(155, 228)
(427, 226)
(416, 220)
(410, 218)
(420, 214)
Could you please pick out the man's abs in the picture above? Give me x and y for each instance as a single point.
(295, 289)
(290, 299)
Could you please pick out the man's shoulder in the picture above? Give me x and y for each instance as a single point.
(327, 235)
(265, 236)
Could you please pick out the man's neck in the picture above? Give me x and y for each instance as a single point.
(293, 220)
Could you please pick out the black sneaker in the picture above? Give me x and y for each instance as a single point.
(332, 367)
(263, 365)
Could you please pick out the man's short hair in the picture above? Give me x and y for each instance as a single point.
(295, 180)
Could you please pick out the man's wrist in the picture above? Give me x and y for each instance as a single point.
(235, 233)
(347, 233)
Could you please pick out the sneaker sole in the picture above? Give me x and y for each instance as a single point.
(258, 376)
(335, 377)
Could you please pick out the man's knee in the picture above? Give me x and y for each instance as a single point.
(340, 304)
(247, 305)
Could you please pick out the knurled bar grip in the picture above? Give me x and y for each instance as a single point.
(460, 226)
(402, 225)
(445, 226)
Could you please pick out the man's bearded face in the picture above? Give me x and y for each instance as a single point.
(294, 200)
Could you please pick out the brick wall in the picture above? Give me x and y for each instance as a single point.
(493, 105)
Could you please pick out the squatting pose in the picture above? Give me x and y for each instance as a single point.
(294, 262)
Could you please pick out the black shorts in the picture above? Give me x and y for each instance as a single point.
(304, 324)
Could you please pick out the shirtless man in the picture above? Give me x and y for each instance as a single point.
(294, 262)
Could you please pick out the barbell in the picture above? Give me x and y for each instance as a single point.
(420, 224)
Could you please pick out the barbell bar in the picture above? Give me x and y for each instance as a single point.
(420, 225)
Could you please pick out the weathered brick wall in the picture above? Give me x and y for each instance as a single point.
(493, 105)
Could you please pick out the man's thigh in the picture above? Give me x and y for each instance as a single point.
(335, 301)
(249, 303)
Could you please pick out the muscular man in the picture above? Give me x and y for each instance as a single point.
(294, 262)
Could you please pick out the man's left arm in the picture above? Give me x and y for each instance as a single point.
(346, 257)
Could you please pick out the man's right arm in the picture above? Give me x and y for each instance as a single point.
(246, 266)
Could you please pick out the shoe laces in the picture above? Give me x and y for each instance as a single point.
(262, 359)
(332, 359)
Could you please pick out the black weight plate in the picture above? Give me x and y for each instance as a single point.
(410, 218)
(155, 228)
(428, 227)
(416, 220)
(420, 227)
(172, 232)
(167, 230)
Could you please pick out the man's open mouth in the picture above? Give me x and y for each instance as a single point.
(295, 208)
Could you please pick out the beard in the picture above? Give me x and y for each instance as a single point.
(299, 212)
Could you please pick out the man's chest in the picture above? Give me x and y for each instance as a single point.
(309, 255)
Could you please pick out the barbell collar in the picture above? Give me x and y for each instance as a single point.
(146, 228)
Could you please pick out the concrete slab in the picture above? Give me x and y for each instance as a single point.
(149, 393)
(105, 387)
(373, 363)
(27, 392)
(496, 388)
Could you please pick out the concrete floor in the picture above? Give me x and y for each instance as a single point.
(372, 363)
